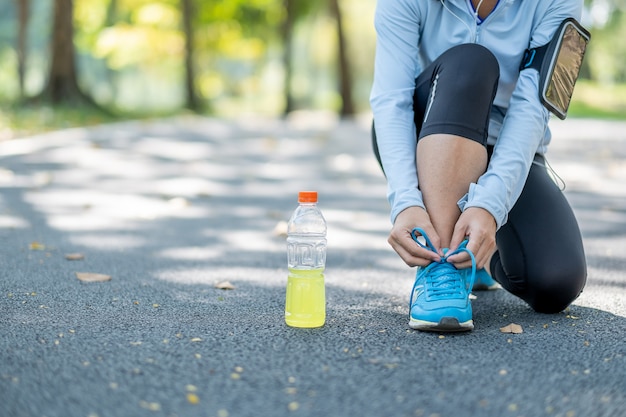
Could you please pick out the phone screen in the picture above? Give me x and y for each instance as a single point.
(565, 69)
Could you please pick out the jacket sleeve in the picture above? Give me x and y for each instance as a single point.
(395, 68)
(523, 128)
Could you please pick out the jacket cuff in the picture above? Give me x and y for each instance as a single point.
(481, 197)
(401, 200)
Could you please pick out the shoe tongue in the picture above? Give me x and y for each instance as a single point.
(446, 275)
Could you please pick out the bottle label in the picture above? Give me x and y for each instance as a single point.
(306, 255)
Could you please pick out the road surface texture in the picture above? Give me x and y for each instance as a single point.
(186, 216)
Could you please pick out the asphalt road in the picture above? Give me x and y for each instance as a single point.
(171, 208)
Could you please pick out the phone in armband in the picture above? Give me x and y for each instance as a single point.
(558, 63)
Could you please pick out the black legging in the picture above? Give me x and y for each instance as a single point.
(540, 256)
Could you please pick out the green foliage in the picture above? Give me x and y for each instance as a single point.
(592, 99)
(607, 51)
(131, 53)
(147, 33)
(16, 121)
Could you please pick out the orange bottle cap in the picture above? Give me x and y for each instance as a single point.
(307, 197)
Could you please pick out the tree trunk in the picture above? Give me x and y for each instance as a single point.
(23, 12)
(191, 101)
(62, 86)
(287, 37)
(111, 16)
(345, 80)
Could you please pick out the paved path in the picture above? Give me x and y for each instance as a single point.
(171, 208)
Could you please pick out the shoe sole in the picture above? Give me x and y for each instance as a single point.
(446, 324)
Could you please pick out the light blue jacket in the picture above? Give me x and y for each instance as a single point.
(413, 33)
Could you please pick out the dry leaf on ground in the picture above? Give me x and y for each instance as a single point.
(37, 246)
(224, 285)
(74, 256)
(512, 328)
(280, 229)
(92, 277)
(192, 398)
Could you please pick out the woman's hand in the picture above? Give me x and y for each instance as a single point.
(479, 227)
(401, 241)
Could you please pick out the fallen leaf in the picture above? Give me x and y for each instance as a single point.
(152, 406)
(224, 285)
(92, 277)
(179, 202)
(41, 179)
(280, 229)
(512, 328)
(37, 246)
(192, 398)
(74, 256)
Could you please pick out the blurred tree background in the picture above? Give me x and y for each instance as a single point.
(131, 58)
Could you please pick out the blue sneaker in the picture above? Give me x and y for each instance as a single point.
(484, 282)
(440, 296)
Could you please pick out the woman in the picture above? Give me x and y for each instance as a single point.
(460, 133)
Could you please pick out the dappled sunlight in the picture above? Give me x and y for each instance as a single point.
(14, 222)
(598, 220)
(583, 176)
(187, 186)
(597, 166)
(173, 148)
(220, 188)
(607, 246)
(602, 299)
(251, 241)
(25, 146)
(343, 162)
(108, 241)
(213, 275)
(199, 201)
(193, 253)
(356, 229)
(367, 280)
(92, 210)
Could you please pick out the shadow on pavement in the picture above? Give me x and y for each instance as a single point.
(171, 208)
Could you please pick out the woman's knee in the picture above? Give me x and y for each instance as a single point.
(556, 289)
(480, 68)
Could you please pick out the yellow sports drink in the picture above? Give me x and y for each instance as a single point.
(305, 301)
(305, 304)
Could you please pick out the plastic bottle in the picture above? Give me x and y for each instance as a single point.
(305, 303)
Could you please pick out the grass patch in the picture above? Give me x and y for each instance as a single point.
(591, 100)
(595, 100)
(24, 120)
